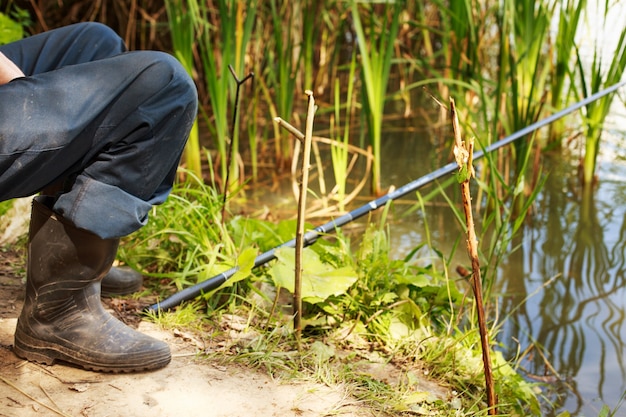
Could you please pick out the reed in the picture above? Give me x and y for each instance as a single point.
(563, 49)
(376, 47)
(597, 111)
(310, 32)
(496, 57)
(524, 25)
(461, 37)
(224, 36)
(182, 18)
(340, 152)
(285, 59)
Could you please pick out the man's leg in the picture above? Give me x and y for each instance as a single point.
(62, 318)
(71, 45)
(114, 130)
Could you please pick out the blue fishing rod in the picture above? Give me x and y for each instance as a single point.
(311, 236)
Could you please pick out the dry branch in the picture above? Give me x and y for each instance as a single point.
(463, 154)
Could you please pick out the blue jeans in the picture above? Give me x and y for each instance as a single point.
(106, 126)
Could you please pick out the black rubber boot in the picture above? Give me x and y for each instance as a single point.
(63, 318)
(120, 280)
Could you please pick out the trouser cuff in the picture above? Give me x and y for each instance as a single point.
(103, 209)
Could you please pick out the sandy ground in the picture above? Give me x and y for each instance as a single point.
(184, 388)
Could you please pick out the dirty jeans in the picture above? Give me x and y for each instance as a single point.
(109, 125)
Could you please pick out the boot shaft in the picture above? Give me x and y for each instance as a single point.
(65, 266)
(58, 252)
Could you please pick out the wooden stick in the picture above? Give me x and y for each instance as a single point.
(304, 185)
(464, 158)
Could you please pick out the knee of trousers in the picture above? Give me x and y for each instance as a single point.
(169, 79)
(100, 35)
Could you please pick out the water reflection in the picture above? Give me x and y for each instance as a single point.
(575, 323)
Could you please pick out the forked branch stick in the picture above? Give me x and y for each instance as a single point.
(306, 140)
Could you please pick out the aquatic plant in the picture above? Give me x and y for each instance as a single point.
(376, 47)
(286, 61)
(183, 16)
(224, 34)
(563, 49)
(597, 111)
(340, 131)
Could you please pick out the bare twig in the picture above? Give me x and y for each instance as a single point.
(464, 157)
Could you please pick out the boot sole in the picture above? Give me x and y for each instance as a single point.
(48, 353)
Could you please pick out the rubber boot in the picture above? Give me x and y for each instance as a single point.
(63, 318)
(121, 280)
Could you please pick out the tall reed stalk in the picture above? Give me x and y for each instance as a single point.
(340, 152)
(286, 61)
(460, 35)
(224, 35)
(597, 111)
(563, 48)
(376, 48)
(183, 17)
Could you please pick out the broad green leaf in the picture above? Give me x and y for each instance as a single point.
(319, 280)
(245, 263)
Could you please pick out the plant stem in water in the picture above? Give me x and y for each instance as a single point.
(464, 156)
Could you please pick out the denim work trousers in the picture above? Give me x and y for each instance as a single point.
(108, 125)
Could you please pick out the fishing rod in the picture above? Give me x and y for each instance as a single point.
(311, 236)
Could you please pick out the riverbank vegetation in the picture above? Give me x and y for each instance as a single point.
(506, 63)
